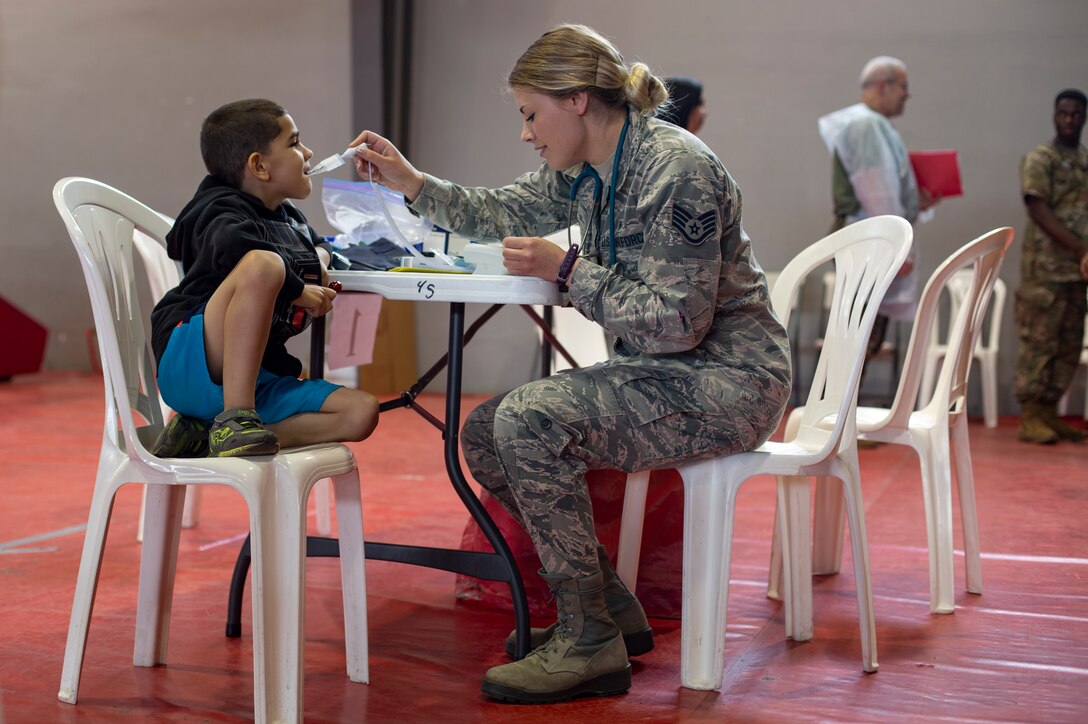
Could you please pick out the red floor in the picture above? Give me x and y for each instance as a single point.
(1018, 652)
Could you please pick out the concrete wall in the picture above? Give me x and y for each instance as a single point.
(116, 90)
(983, 75)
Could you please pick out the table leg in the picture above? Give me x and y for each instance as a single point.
(460, 484)
(497, 566)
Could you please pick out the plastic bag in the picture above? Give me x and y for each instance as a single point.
(355, 210)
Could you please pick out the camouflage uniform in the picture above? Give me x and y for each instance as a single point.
(702, 366)
(1050, 303)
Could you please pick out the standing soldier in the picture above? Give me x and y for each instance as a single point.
(1050, 303)
(702, 364)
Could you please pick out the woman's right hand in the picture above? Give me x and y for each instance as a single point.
(390, 168)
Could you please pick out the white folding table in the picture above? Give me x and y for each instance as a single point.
(457, 290)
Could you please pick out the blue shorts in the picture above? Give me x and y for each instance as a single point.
(186, 386)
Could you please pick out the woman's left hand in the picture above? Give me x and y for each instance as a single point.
(532, 256)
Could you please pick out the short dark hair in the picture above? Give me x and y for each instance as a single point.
(685, 95)
(1073, 94)
(232, 132)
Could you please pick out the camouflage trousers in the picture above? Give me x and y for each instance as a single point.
(531, 447)
(1050, 324)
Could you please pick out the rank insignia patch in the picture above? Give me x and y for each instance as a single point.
(694, 229)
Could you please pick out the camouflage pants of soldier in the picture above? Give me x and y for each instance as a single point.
(531, 447)
(1050, 324)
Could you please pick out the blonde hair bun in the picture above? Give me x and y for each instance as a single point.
(574, 58)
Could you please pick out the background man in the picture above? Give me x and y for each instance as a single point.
(872, 175)
(1050, 303)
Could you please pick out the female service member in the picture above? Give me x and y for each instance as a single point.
(702, 364)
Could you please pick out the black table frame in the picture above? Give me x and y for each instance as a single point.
(499, 565)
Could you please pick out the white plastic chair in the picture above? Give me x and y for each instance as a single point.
(935, 430)
(100, 221)
(985, 351)
(867, 256)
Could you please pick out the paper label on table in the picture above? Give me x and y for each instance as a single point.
(354, 325)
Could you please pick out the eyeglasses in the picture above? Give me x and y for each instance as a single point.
(901, 83)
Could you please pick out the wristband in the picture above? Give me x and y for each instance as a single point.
(566, 267)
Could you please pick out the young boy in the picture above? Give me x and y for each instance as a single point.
(253, 277)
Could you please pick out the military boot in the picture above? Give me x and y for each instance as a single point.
(585, 655)
(1033, 424)
(1064, 430)
(624, 608)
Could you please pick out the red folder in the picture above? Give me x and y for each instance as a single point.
(938, 172)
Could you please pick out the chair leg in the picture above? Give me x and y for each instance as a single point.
(278, 541)
(965, 483)
(158, 564)
(708, 538)
(774, 574)
(143, 510)
(323, 506)
(190, 517)
(859, 550)
(828, 524)
(794, 516)
(933, 452)
(987, 366)
(634, 514)
(90, 562)
(349, 515)
(1063, 404)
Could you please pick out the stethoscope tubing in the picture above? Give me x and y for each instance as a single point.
(589, 173)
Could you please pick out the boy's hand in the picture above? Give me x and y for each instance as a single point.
(381, 162)
(317, 301)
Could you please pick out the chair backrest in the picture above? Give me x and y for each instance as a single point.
(973, 269)
(867, 255)
(101, 221)
(989, 339)
(163, 273)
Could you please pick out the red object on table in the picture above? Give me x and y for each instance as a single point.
(24, 347)
(660, 574)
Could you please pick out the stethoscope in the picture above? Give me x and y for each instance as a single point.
(588, 172)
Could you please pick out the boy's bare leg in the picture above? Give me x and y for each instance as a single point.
(237, 321)
(346, 415)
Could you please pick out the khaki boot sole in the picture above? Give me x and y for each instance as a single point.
(1038, 438)
(610, 684)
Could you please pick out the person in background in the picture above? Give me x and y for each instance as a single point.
(685, 107)
(1050, 303)
(702, 365)
(871, 175)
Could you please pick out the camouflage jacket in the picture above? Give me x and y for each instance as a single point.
(686, 294)
(1058, 176)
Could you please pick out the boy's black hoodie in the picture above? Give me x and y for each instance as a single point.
(212, 233)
